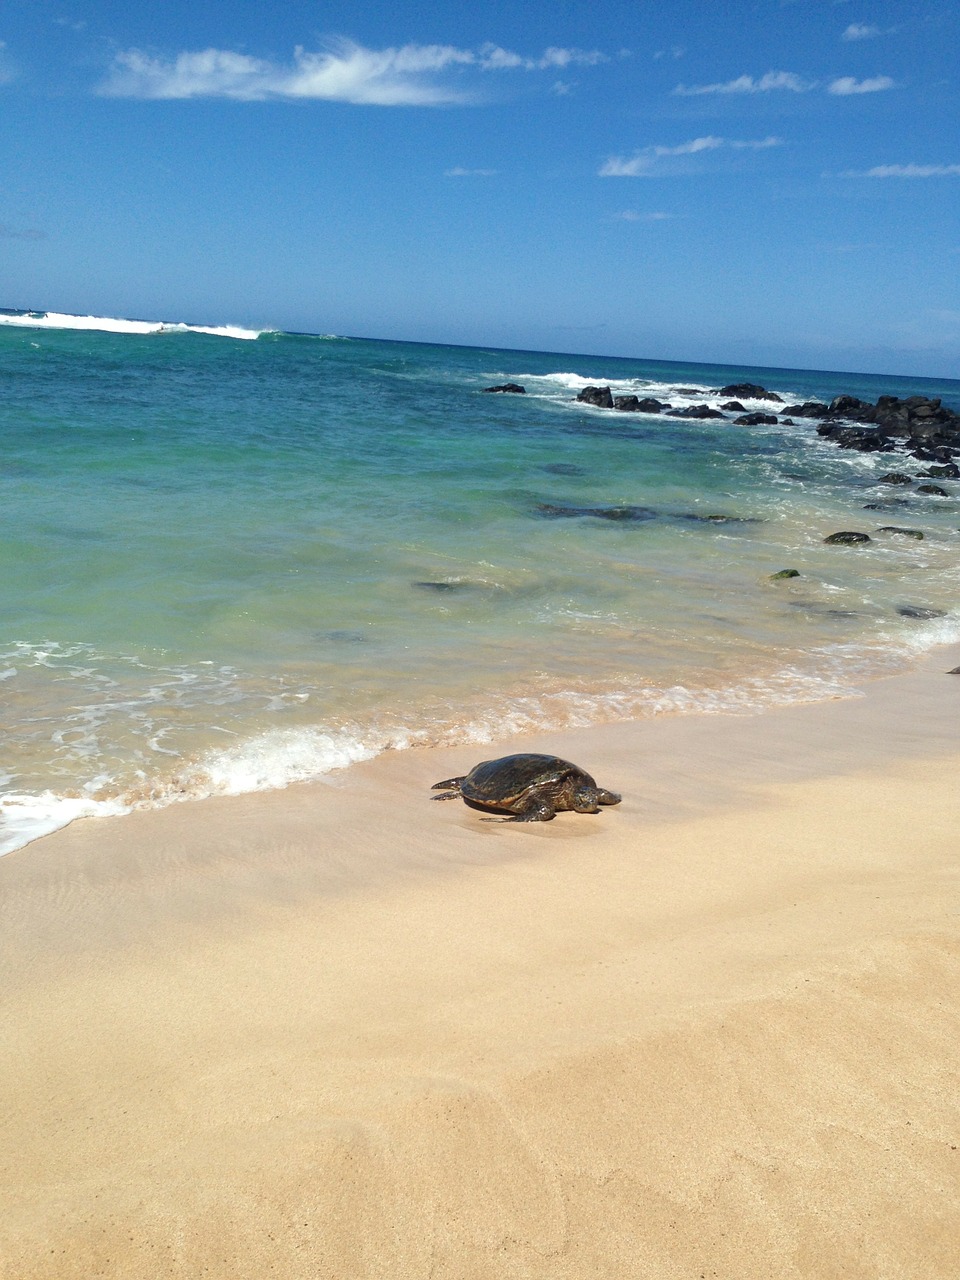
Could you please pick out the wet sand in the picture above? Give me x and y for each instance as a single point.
(341, 1031)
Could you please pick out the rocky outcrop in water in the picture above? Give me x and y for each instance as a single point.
(920, 423)
(599, 397)
(508, 388)
(847, 538)
(633, 404)
(917, 426)
(694, 411)
(757, 420)
(551, 511)
(750, 391)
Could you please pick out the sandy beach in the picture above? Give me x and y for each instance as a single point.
(341, 1031)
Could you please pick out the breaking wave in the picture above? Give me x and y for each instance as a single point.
(111, 324)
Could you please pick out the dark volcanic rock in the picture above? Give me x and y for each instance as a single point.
(933, 489)
(511, 388)
(948, 471)
(864, 439)
(895, 477)
(632, 404)
(809, 409)
(600, 397)
(733, 406)
(697, 518)
(936, 453)
(917, 424)
(893, 416)
(756, 420)
(750, 391)
(627, 514)
(847, 538)
(784, 573)
(695, 411)
(851, 407)
(918, 611)
(906, 533)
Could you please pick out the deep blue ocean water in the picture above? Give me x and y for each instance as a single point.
(234, 559)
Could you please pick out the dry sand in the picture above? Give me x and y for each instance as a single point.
(343, 1032)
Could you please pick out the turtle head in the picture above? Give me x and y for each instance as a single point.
(588, 797)
(586, 800)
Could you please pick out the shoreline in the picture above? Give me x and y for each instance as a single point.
(339, 1029)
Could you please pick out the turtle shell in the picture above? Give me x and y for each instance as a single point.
(502, 783)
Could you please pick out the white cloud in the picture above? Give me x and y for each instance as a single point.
(493, 58)
(344, 72)
(906, 171)
(860, 31)
(642, 162)
(631, 215)
(566, 58)
(459, 172)
(847, 85)
(708, 143)
(747, 84)
(843, 86)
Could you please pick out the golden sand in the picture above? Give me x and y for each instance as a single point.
(341, 1031)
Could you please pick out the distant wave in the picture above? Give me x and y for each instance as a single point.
(111, 324)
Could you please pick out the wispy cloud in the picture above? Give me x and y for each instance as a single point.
(905, 171)
(774, 81)
(643, 162)
(847, 85)
(343, 72)
(631, 215)
(768, 83)
(459, 172)
(861, 31)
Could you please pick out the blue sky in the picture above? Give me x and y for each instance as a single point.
(772, 183)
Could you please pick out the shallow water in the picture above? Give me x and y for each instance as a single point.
(229, 564)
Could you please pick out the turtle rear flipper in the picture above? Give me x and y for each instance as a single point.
(451, 787)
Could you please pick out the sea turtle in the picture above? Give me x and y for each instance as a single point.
(530, 787)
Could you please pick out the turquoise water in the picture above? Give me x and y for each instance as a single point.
(231, 559)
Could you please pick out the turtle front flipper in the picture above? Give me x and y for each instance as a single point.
(534, 810)
(451, 788)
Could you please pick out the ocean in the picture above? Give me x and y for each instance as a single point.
(233, 559)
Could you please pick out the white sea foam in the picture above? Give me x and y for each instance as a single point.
(275, 759)
(25, 818)
(677, 393)
(111, 324)
(265, 762)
